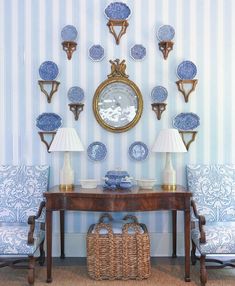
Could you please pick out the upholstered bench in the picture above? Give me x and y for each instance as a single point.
(22, 215)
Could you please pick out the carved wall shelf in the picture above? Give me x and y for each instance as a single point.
(158, 108)
(165, 47)
(69, 47)
(182, 83)
(117, 23)
(188, 137)
(76, 108)
(47, 138)
(53, 85)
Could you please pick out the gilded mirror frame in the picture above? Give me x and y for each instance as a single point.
(118, 75)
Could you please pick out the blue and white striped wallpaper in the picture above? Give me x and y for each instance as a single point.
(30, 34)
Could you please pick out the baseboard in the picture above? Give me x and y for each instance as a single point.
(75, 244)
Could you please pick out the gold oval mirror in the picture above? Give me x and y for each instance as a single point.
(117, 103)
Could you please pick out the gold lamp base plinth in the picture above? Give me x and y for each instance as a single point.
(67, 188)
(169, 187)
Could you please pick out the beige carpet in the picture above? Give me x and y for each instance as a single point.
(164, 272)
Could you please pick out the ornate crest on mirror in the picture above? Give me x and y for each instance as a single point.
(117, 102)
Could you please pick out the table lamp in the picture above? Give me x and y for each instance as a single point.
(66, 140)
(169, 141)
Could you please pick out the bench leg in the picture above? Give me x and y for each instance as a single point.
(193, 254)
(31, 270)
(203, 272)
(42, 254)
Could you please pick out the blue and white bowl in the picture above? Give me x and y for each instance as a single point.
(186, 121)
(159, 94)
(48, 70)
(165, 33)
(69, 33)
(75, 94)
(48, 121)
(117, 11)
(186, 70)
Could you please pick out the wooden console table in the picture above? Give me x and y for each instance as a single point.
(116, 201)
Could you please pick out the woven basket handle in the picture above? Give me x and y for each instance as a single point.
(100, 226)
(104, 216)
(135, 226)
(131, 217)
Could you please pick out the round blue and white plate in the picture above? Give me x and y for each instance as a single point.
(69, 33)
(186, 70)
(48, 70)
(96, 53)
(138, 151)
(48, 121)
(186, 121)
(75, 94)
(138, 52)
(97, 151)
(165, 33)
(117, 11)
(159, 94)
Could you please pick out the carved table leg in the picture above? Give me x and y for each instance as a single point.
(174, 232)
(49, 244)
(187, 244)
(62, 255)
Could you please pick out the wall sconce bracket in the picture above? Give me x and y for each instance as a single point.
(181, 87)
(69, 47)
(44, 135)
(76, 108)
(54, 87)
(190, 134)
(165, 47)
(115, 23)
(158, 108)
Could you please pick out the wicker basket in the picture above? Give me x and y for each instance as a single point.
(118, 256)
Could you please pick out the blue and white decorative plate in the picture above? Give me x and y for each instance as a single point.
(48, 70)
(186, 121)
(96, 52)
(186, 70)
(48, 121)
(117, 11)
(159, 94)
(138, 151)
(96, 151)
(138, 52)
(69, 33)
(165, 33)
(75, 94)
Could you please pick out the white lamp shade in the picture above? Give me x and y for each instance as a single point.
(66, 139)
(169, 140)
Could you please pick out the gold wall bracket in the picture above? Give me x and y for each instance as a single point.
(165, 47)
(69, 47)
(182, 83)
(76, 108)
(188, 137)
(47, 138)
(49, 93)
(158, 108)
(117, 23)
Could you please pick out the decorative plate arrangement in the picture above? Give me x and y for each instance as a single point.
(138, 52)
(117, 11)
(69, 33)
(165, 33)
(48, 121)
(96, 52)
(138, 151)
(96, 151)
(186, 121)
(75, 94)
(159, 94)
(48, 70)
(186, 70)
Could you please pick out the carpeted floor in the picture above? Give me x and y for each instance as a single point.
(165, 272)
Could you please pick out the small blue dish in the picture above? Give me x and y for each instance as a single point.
(165, 33)
(97, 151)
(96, 52)
(117, 11)
(76, 94)
(69, 33)
(138, 151)
(138, 52)
(159, 94)
(186, 70)
(48, 70)
(186, 121)
(48, 121)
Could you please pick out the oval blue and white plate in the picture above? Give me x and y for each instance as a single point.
(165, 33)
(186, 121)
(97, 151)
(117, 11)
(138, 52)
(159, 94)
(186, 70)
(48, 121)
(138, 151)
(48, 70)
(75, 94)
(69, 33)
(96, 53)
